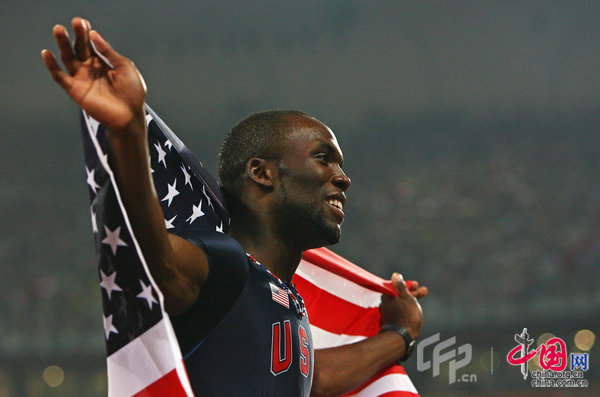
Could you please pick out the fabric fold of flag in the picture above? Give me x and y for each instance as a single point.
(342, 301)
(143, 356)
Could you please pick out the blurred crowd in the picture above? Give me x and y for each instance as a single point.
(499, 220)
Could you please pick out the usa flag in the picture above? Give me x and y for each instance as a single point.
(280, 296)
(143, 356)
(342, 301)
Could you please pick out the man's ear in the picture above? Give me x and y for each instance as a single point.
(261, 172)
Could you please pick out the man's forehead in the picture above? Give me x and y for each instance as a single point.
(307, 129)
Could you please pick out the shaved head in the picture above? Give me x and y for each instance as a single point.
(259, 135)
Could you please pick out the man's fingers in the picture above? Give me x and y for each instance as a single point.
(412, 284)
(55, 71)
(420, 292)
(105, 49)
(399, 284)
(82, 39)
(66, 52)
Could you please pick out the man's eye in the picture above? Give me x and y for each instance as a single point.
(321, 157)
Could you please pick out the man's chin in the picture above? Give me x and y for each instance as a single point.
(326, 236)
(334, 235)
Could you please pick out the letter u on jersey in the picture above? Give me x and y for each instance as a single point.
(281, 344)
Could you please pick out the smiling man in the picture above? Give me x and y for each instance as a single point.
(241, 325)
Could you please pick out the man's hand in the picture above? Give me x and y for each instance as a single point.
(343, 368)
(416, 290)
(404, 309)
(113, 96)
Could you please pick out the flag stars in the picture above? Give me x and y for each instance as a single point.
(196, 212)
(109, 327)
(91, 181)
(169, 144)
(169, 223)
(171, 193)
(147, 295)
(161, 154)
(113, 239)
(188, 180)
(219, 228)
(108, 283)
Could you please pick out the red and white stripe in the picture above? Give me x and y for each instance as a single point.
(150, 365)
(342, 301)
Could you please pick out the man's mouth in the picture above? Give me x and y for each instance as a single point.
(336, 203)
(337, 206)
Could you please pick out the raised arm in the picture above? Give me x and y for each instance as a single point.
(115, 97)
(341, 369)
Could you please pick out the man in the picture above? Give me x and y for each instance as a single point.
(282, 175)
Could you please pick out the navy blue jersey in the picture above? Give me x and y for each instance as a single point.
(243, 336)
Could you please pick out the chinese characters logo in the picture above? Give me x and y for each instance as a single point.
(552, 360)
(553, 354)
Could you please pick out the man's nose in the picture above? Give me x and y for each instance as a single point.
(341, 181)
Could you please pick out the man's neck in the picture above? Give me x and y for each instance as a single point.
(269, 249)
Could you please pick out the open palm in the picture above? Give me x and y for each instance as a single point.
(112, 95)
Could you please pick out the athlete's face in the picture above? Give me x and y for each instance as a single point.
(311, 184)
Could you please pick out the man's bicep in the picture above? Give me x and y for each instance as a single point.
(190, 271)
(192, 259)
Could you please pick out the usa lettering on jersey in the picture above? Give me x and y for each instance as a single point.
(281, 348)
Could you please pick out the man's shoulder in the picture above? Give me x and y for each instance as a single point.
(215, 244)
(227, 278)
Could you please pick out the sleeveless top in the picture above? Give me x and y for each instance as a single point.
(243, 336)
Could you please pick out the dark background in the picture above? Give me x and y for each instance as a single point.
(469, 129)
